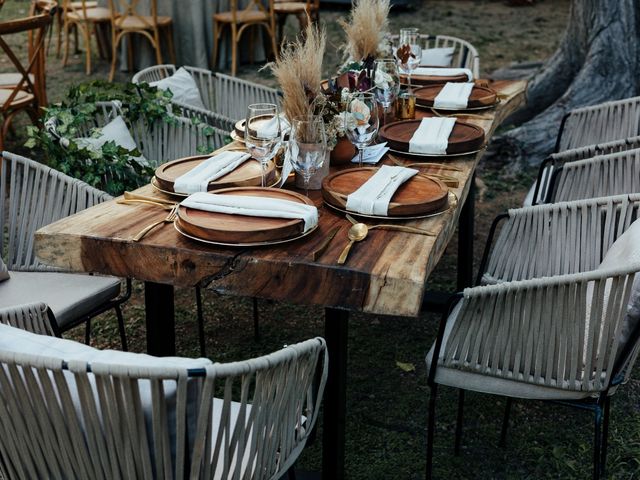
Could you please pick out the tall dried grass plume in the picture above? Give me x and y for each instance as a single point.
(366, 28)
(299, 71)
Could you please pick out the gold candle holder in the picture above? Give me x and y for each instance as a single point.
(406, 106)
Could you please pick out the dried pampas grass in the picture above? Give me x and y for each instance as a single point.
(299, 72)
(367, 26)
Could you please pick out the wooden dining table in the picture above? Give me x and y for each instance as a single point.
(385, 275)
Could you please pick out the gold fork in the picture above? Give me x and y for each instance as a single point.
(169, 219)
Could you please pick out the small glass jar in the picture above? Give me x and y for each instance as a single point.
(406, 106)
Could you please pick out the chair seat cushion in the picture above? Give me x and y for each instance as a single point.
(97, 14)
(69, 295)
(12, 79)
(22, 98)
(242, 16)
(141, 23)
(291, 7)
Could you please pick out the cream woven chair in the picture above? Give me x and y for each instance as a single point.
(540, 190)
(599, 123)
(32, 196)
(71, 418)
(465, 55)
(528, 334)
(222, 94)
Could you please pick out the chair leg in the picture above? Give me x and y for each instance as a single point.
(86, 33)
(505, 422)
(234, 49)
(200, 316)
(291, 473)
(130, 38)
(67, 41)
(431, 426)
(256, 320)
(597, 442)
(216, 39)
(172, 50)
(252, 37)
(459, 420)
(605, 437)
(87, 332)
(115, 39)
(121, 328)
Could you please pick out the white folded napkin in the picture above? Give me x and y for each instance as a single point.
(372, 154)
(197, 179)
(432, 136)
(437, 57)
(453, 96)
(373, 197)
(253, 207)
(268, 128)
(443, 72)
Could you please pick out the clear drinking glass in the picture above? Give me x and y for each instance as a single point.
(386, 82)
(410, 38)
(307, 146)
(361, 121)
(263, 133)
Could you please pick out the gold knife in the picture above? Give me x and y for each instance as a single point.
(323, 246)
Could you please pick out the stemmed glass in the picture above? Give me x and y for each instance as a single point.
(410, 41)
(361, 121)
(262, 133)
(307, 146)
(386, 81)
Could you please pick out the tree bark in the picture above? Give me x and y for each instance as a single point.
(598, 60)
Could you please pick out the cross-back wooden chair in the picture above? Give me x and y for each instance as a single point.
(304, 11)
(239, 20)
(83, 16)
(126, 19)
(29, 92)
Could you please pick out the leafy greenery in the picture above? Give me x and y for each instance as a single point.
(110, 167)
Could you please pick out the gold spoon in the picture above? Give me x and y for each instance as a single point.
(397, 228)
(356, 233)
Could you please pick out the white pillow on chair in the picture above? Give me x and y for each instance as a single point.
(4, 272)
(184, 88)
(437, 57)
(116, 131)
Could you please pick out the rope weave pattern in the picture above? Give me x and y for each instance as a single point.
(225, 97)
(601, 123)
(560, 238)
(600, 176)
(34, 195)
(31, 317)
(104, 421)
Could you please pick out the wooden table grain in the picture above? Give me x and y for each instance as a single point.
(385, 274)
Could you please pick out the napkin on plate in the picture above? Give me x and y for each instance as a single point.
(268, 128)
(453, 96)
(253, 207)
(373, 153)
(443, 72)
(432, 136)
(197, 179)
(373, 197)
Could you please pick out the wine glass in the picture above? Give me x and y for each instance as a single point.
(386, 82)
(307, 146)
(361, 121)
(412, 51)
(262, 133)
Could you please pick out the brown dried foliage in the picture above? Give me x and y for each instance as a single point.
(368, 22)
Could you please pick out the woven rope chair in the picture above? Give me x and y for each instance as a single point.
(540, 190)
(465, 55)
(33, 195)
(599, 123)
(223, 95)
(524, 335)
(108, 421)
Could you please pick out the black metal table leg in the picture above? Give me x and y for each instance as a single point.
(160, 319)
(336, 324)
(465, 238)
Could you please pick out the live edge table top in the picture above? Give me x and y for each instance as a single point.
(385, 274)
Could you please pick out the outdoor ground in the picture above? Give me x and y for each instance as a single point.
(387, 405)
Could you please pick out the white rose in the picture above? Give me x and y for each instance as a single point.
(383, 80)
(360, 112)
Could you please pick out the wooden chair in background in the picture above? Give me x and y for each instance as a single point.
(304, 11)
(126, 20)
(83, 16)
(253, 15)
(60, 22)
(28, 90)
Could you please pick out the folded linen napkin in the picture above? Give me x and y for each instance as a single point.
(268, 128)
(432, 136)
(197, 179)
(443, 72)
(253, 207)
(453, 96)
(372, 153)
(373, 197)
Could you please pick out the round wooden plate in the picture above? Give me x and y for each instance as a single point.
(247, 174)
(464, 137)
(419, 195)
(242, 229)
(480, 96)
(432, 79)
(238, 128)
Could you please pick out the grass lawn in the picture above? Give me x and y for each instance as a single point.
(386, 405)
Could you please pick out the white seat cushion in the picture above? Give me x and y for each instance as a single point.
(12, 79)
(69, 295)
(183, 87)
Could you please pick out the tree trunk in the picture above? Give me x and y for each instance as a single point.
(598, 60)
